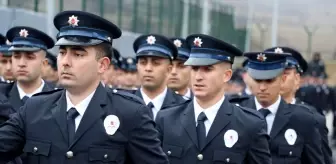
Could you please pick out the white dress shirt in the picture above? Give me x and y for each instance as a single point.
(210, 113)
(270, 117)
(157, 101)
(80, 107)
(293, 101)
(187, 96)
(22, 93)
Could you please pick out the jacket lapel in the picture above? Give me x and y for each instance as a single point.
(138, 93)
(189, 123)
(14, 97)
(281, 118)
(169, 99)
(58, 111)
(222, 119)
(93, 112)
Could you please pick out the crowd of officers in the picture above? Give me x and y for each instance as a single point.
(178, 101)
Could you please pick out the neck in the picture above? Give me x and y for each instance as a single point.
(266, 104)
(288, 98)
(182, 91)
(207, 101)
(30, 87)
(153, 93)
(78, 95)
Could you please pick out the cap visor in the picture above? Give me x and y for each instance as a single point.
(264, 74)
(29, 49)
(152, 54)
(201, 62)
(66, 42)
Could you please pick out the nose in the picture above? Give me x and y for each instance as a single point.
(148, 67)
(174, 70)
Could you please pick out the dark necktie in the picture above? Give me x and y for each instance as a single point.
(200, 129)
(71, 115)
(24, 99)
(264, 112)
(150, 106)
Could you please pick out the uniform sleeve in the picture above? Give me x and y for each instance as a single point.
(327, 153)
(12, 137)
(144, 145)
(259, 150)
(159, 126)
(312, 150)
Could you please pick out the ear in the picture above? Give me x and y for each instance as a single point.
(227, 75)
(297, 81)
(45, 62)
(103, 64)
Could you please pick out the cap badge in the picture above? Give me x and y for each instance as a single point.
(261, 57)
(177, 43)
(198, 42)
(109, 38)
(73, 21)
(129, 61)
(278, 50)
(24, 33)
(151, 40)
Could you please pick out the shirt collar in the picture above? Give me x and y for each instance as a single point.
(22, 93)
(293, 101)
(272, 108)
(157, 101)
(187, 96)
(81, 106)
(210, 112)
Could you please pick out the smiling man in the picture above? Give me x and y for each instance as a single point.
(209, 129)
(154, 55)
(179, 77)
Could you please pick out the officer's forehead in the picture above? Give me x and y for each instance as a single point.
(74, 48)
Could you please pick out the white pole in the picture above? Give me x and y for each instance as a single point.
(205, 17)
(185, 24)
(249, 23)
(275, 18)
(50, 6)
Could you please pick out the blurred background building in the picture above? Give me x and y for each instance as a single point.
(251, 25)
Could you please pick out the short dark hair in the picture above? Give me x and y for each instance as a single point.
(104, 50)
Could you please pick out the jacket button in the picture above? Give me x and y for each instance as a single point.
(227, 160)
(290, 153)
(168, 152)
(69, 154)
(200, 157)
(35, 149)
(105, 156)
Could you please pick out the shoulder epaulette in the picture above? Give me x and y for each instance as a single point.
(47, 92)
(127, 95)
(311, 109)
(251, 111)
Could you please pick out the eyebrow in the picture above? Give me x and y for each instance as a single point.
(74, 48)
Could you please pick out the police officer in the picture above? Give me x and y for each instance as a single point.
(247, 80)
(154, 55)
(209, 129)
(85, 122)
(293, 129)
(129, 77)
(179, 77)
(5, 61)
(28, 47)
(50, 69)
(296, 66)
(111, 75)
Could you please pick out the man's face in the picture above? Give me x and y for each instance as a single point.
(179, 77)
(6, 65)
(209, 81)
(78, 66)
(27, 66)
(267, 91)
(291, 83)
(129, 79)
(153, 71)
